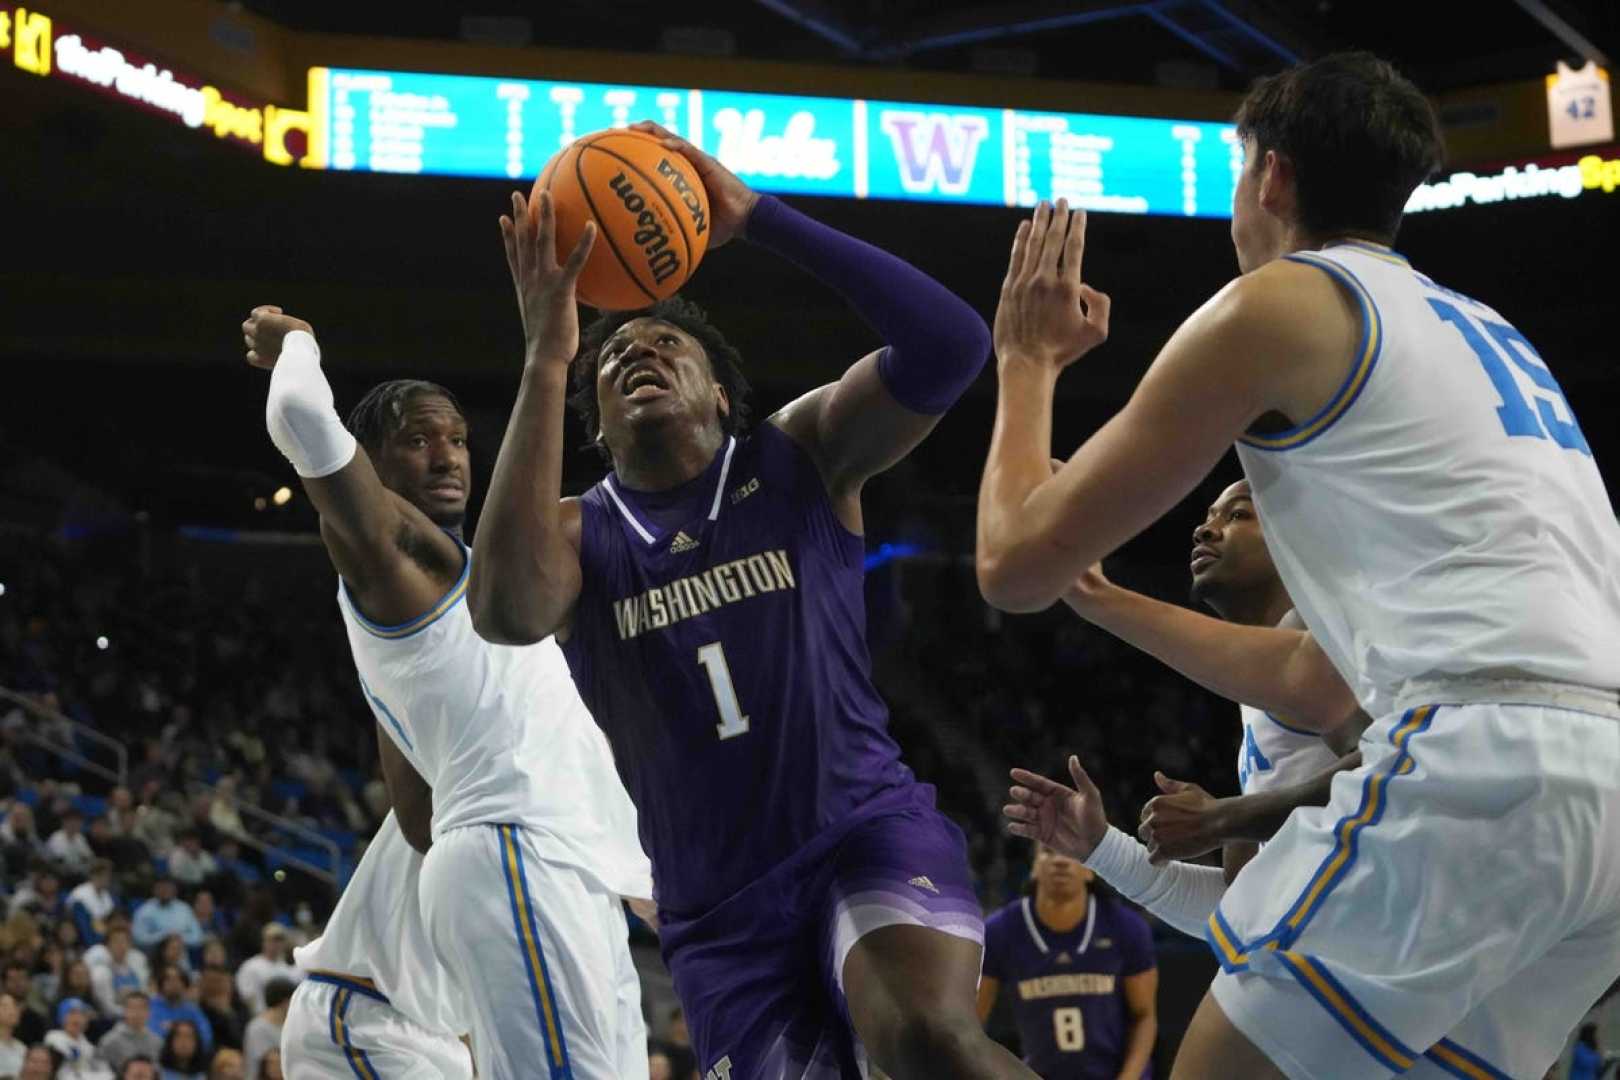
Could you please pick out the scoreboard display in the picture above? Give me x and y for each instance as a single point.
(403, 122)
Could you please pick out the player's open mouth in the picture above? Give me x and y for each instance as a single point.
(644, 382)
(1203, 557)
(446, 491)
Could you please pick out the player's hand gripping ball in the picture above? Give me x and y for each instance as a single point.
(650, 209)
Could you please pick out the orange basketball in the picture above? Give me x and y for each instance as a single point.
(650, 209)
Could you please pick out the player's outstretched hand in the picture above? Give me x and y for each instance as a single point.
(1047, 314)
(1069, 820)
(1183, 823)
(263, 331)
(545, 288)
(730, 200)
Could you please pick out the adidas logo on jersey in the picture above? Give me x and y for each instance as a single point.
(681, 543)
(923, 883)
(1064, 958)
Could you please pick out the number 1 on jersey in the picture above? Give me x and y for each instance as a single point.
(732, 722)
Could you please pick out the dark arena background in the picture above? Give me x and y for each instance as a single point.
(173, 668)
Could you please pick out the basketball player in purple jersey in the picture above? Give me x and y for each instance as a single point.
(817, 911)
(1083, 974)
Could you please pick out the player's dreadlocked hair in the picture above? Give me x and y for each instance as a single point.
(725, 362)
(380, 413)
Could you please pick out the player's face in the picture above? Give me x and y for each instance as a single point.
(651, 373)
(1229, 551)
(9, 1013)
(1257, 233)
(1059, 876)
(426, 460)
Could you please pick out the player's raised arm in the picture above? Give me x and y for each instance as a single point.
(525, 571)
(935, 344)
(367, 528)
(1276, 340)
(1280, 669)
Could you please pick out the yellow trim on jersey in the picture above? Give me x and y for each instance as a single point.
(340, 1031)
(1327, 875)
(1457, 1063)
(1459, 1060)
(422, 621)
(1348, 829)
(1372, 339)
(1347, 1012)
(541, 986)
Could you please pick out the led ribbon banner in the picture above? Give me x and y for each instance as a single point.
(853, 148)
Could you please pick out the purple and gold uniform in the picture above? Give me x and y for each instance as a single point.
(1067, 988)
(719, 639)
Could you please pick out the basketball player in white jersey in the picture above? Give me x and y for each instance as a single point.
(1232, 573)
(375, 1004)
(1439, 522)
(531, 840)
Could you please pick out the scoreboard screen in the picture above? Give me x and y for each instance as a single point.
(461, 125)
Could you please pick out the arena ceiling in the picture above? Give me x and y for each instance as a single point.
(1443, 44)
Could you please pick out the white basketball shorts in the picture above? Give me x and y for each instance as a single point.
(1454, 910)
(541, 955)
(342, 1027)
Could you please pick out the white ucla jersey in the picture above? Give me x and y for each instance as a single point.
(1442, 514)
(376, 933)
(1275, 754)
(502, 737)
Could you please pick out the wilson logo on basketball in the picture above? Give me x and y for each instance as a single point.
(700, 217)
(649, 234)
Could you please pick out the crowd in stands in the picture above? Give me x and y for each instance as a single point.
(151, 919)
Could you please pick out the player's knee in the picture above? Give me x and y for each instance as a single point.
(923, 1042)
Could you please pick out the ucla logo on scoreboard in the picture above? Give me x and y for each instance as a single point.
(749, 149)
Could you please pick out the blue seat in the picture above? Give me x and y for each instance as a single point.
(91, 806)
(288, 789)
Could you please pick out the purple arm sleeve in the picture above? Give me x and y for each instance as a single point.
(937, 344)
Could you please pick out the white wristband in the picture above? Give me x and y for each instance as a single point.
(299, 411)
(1182, 894)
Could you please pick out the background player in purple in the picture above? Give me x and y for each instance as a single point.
(1083, 975)
(816, 909)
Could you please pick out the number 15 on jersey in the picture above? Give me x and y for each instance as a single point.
(1495, 346)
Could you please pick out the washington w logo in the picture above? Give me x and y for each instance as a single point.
(935, 151)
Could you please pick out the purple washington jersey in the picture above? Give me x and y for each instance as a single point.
(1066, 988)
(720, 641)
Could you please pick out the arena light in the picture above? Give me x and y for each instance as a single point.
(102, 643)
(2, 588)
(460, 125)
(282, 497)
